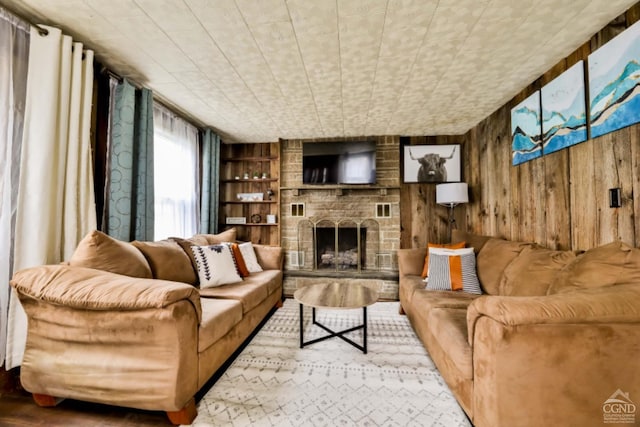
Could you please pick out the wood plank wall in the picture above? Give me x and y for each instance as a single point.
(559, 200)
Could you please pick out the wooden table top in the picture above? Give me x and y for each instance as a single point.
(336, 295)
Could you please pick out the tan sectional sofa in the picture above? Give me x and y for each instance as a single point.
(132, 329)
(554, 335)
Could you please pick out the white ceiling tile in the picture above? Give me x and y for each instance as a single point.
(262, 70)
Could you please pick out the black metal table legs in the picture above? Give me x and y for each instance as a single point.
(339, 334)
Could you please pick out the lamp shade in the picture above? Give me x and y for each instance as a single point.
(452, 193)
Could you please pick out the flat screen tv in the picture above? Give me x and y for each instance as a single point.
(342, 162)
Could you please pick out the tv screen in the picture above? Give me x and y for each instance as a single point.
(342, 162)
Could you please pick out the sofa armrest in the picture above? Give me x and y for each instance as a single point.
(269, 257)
(558, 357)
(90, 289)
(411, 261)
(615, 304)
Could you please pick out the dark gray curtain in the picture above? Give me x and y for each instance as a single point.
(130, 198)
(210, 182)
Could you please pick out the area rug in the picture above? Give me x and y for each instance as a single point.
(273, 382)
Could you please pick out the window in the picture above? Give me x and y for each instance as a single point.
(175, 175)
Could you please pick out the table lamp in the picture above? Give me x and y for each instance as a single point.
(452, 194)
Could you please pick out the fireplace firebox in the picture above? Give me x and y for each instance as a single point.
(340, 248)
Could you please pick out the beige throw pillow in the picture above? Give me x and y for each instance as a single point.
(168, 261)
(102, 252)
(250, 259)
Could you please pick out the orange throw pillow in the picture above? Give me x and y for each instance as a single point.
(242, 266)
(425, 269)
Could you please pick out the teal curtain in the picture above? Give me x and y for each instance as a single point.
(210, 182)
(130, 211)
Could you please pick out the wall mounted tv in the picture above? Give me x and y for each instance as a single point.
(341, 162)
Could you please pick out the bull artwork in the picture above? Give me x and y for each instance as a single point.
(432, 166)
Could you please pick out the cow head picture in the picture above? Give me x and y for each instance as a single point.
(432, 166)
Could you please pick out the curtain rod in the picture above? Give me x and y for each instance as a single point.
(41, 30)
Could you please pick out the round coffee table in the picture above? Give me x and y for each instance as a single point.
(335, 296)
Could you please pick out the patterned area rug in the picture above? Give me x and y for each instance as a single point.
(331, 383)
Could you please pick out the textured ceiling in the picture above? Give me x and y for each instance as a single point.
(259, 70)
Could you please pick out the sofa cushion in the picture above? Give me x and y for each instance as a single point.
(495, 256)
(453, 270)
(249, 292)
(222, 237)
(219, 316)
(185, 244)
(102, 252)
(474, 241)
(167, 261)
(406, 288)
(216, 265)
(533, 271)
(250, 259)
(449, 328)
(613, 264)
(425, 267)
(424, 300)
(269, 257)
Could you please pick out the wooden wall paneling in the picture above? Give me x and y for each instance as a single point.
(556, 175)
(623, 155)
(472, 178)
(582, 192)
(558, 232)
(605, 178)
(613, 170)
(486, 172)
(633, 15)
(515, 178)
(499, 155)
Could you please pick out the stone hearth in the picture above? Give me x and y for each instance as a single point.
(350, 206)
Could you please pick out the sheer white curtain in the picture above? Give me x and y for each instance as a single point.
(14, 56)
(175, 175)
(55, 206)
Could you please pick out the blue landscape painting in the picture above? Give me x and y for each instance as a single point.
(526, 141)
(614, 74)
(564, 112)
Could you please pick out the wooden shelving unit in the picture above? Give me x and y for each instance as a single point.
(239, 159)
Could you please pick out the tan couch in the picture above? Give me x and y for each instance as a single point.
(553, 337)
(130, 337)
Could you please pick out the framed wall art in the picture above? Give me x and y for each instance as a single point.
(526, 138)
(614, 78)
(564, 111)
(431, 163)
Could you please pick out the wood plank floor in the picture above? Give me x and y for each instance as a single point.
(17, 409)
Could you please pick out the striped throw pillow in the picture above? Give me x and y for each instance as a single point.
(453, 270)
(425, 268)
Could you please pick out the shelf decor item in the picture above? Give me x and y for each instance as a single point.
(251, 197)
(256, 218)
(236, 220)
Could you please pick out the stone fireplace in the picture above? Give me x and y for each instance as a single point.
(341, 232)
